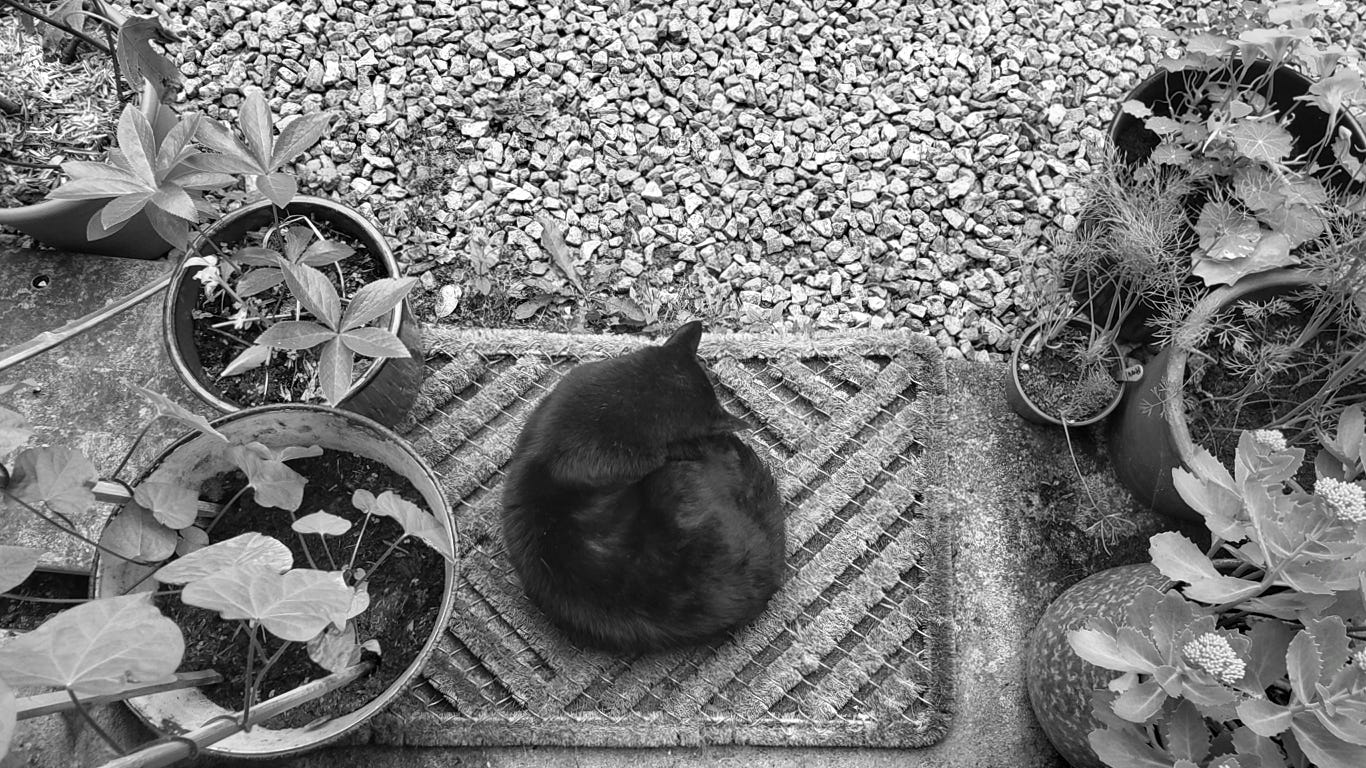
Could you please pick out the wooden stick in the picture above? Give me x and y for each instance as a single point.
(164, 753)
(111, 492)
(50, 703)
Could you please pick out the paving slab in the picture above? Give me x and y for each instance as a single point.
(1026, 499)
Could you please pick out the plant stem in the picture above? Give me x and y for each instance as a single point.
(271, 661)
(227, 335)
(52, 600)
(386, 554)
(250, 684)
(72, 531)
(136, 442)
(308, 554)
(90, 721)
(350, 564)
(209, 528)
(327, 551)
(18, 6)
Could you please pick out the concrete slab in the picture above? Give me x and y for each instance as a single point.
(1027, 528)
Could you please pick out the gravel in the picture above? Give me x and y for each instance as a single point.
(866, 164)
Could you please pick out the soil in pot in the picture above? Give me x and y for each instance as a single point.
(405, 591)
(1065, 378)
(69, 112)
(289, 377)
(1246, 375)
(67, 588)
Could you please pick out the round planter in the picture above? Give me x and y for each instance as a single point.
(61, 224)
(1058, 680)
(197, 458)
(385, 392)
(1167, 93)
(1149, 436)
(1029, 411)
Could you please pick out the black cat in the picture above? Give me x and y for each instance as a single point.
(634, 516)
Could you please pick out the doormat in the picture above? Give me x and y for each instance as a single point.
(854, 649)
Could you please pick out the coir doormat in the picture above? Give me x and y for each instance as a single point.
(854, 649)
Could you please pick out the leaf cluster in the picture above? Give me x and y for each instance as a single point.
(1282, 589)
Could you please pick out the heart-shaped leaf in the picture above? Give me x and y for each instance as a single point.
(275, 484)
(294, 334)
(14, 431)
(296, 605)
(334, 649)
(250, 548)
(361, 601)
(374, 299)
(192, 539)
(171, 504)
(135, 534)
(16, 563)
(61, 478)
(322, 523)
(164, 406)
(416, 521)
(99, 647)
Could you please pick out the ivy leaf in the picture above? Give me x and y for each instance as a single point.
(61, 478)
(96, 648)
(334, 649)
(16, 563)
(135, 534)
(322, 523)
(14, 431)
(166, 407)
(296, 605)
(250, 548)
(275, 484)
(173, 505)
(139, 61)
(1261, 140)
(416, 522)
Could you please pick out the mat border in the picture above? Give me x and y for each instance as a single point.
(427, 729)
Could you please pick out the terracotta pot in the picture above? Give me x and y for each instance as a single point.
(61, 224)
(385, 392)
(1149, 436)
(1167, 93)
(1058, 680)
(1029, 411)
(196, 458)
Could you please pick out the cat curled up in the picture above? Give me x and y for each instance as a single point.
(633, 515)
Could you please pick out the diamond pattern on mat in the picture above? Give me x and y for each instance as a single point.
(849, 643)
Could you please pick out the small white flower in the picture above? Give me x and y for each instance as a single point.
(1212, 653)
(1347, 500)
(1269, 438)
(1359, 659)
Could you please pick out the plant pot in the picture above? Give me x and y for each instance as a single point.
(1149, 437)
(1167, 93)
(385, 392)
(194, 459)
(1059, 681)
(61, 224)
(1028, 410)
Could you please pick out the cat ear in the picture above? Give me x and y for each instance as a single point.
(686, 337)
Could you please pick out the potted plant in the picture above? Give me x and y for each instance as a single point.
(1251, 651)
(63, 223)
(244, 549)
(1270, 145)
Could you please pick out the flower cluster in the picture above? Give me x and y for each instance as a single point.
(1270, 438)
(1212, 653)
(1347, 500)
